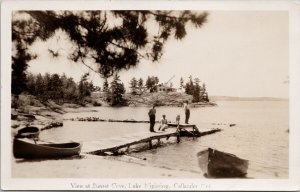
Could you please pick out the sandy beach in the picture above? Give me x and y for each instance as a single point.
(93, 166)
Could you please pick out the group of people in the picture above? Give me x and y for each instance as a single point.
(164, 121)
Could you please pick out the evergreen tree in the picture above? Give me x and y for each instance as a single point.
(204, 87)
(40, 86)
(181, 83)
(133, 86)
(152, 83)
(71, 91)
(19, 66)
(105, 85)
(85, 88)
(149, 84)
(156, 80)
(55, 88)
(117, 90)
(196, 93)
(140, 84)
(187, 88)
(197, 80)
(30, 84)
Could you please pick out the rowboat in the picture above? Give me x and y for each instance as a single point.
(217, 164)
(29, 132)
(24, 149)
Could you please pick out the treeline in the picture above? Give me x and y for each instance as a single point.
(193, 87)
(60, 88)
(114, 91)
(138, 86)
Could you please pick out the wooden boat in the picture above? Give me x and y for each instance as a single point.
(217, 164)
(24, 149)
(28, 132)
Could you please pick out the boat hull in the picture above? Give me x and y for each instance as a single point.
(28, 132)
(27, 150)
(218, 164)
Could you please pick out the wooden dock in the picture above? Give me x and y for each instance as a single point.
(116, 145)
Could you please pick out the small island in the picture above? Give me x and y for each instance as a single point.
(49, 96)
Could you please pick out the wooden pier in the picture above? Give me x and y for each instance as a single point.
(117, 145)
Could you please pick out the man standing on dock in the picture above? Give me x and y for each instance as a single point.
(187, 111)
(151, 114)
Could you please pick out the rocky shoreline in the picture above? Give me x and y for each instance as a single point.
(47, 115)
(171, 99)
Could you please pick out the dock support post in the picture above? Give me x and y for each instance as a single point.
(150, 144)
(158, 142)
(178, 138)
(194, 132)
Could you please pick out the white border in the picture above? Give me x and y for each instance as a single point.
(293, 183)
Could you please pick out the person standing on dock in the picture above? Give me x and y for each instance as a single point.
(151, 114)
(186, 108)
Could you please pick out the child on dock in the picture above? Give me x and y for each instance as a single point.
(178, 119)
(163, 123)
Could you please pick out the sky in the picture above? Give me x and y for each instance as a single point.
(236, 53)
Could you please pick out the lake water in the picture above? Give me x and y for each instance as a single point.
(260, 134)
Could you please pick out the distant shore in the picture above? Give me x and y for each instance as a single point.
(231, 98)
(45, 115)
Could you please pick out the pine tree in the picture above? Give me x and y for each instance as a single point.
(204, 87)
(40, 87)
(71, 91)
(105, 85)
(197, 80)
(30, 84)
(181, 83)
(156, 80)
(149, 84)
(19, 67)
(133, 86)
(116, 48)
(187, 88)
(140, 84)
(117, 90)
(196, 93)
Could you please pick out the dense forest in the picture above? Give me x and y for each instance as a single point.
(60, 88)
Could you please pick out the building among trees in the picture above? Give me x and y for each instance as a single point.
(165, 88)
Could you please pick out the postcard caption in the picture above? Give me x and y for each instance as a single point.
(140, 185)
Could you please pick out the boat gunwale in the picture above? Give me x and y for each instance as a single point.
(50, 147)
